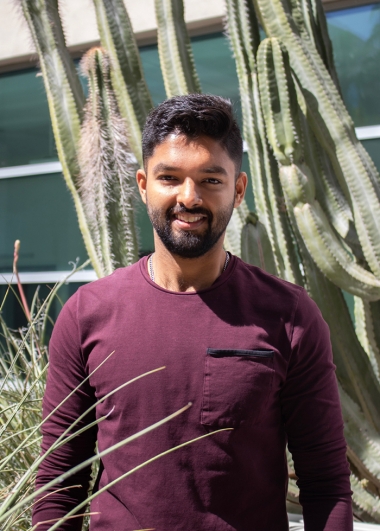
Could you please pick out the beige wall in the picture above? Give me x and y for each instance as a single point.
(202, 16)
(80, 25)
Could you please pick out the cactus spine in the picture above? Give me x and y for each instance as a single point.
(127, 75)
(174, 48)
(107, 182)
(331, 124)
(65, 99)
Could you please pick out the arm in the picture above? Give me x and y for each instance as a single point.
(314, 425)
(66, 371)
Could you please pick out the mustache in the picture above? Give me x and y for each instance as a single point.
(180, 209)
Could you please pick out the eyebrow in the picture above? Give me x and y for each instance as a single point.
(161, 167)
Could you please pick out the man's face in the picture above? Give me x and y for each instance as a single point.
(190, 191)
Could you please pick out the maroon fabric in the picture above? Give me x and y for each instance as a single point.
(251, 353)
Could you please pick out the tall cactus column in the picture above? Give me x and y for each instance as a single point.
(329, 119)
(243, 32)
(107, 180)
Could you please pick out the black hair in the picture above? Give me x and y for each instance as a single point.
(194, 115)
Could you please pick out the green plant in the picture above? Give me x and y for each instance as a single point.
(107, 169)
(290, 87)
(71, 124)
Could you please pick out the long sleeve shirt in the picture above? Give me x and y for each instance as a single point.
(251, 353)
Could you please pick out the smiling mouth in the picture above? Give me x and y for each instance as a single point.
(188, 221)
(189, 218)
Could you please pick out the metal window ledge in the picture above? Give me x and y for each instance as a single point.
(49, 277)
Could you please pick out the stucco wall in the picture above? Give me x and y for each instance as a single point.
(80, 24)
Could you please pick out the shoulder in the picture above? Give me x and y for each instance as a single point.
(97, 299)
(265, 286)
(105, 287)
(275, 299)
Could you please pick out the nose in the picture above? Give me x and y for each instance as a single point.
(188, 194)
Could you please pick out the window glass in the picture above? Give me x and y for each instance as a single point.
(355, 34)
(13, 313)
(26, 136)
(39, 211)
(373, 148)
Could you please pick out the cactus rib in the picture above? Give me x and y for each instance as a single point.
(243, 33)
(65, 99)
(107, 169)
(332, 125)
(174, 48)
(127, 76)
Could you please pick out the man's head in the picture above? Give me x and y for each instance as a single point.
(194, 115)
(191, 181)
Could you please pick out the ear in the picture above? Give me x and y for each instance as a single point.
(141, 183)
(240, 188)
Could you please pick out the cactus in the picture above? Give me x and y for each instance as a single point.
(107, 178)
(127, 76)
(330, 122)
(106, 219)
(65, 99)
(260, 253)
(243, 32)
(283, 127)
(367, 317)
(174, 48)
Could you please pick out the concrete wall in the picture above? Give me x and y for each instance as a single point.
(202, 16)
(78, 16)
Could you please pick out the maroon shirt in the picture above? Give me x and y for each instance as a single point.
(251, 353)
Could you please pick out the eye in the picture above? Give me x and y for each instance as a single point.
(166, 178)
(212, 180)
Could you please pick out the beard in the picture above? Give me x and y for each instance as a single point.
(186, 243)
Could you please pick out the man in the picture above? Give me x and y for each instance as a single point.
(248, 351)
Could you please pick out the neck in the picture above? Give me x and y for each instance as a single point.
(187, 274)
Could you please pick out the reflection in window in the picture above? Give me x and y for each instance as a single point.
(355, 34)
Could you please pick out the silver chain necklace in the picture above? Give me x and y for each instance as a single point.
(151, 271)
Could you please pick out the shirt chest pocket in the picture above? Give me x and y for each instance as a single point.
(236, 387)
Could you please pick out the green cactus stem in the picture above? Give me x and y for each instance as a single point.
(174, 48)
(232, 239)
(362, 439)
(243, 33)
(332, 126)
(314, 16)
(256, 248)
(107, 169)
(283, 127)
(127, 75)
(367, 321)
(365, 503)
(354, 370)
(332, 258)
(279, 101)
(65, 99)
